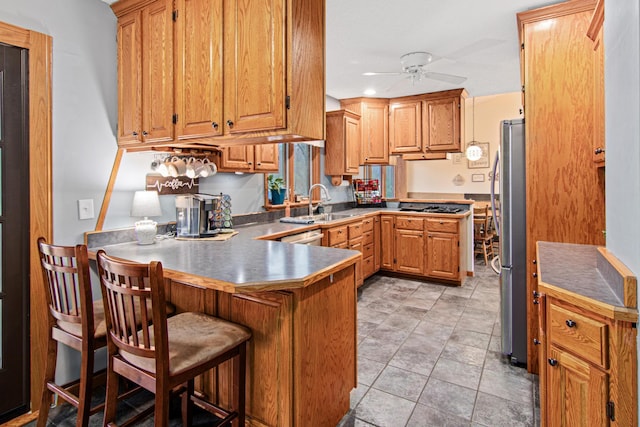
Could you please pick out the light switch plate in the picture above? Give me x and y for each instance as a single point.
(85, 209)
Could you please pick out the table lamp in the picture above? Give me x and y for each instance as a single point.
(146, 204)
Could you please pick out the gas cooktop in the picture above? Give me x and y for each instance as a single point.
(430, 209)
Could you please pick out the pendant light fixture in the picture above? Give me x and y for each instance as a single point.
(473, 152)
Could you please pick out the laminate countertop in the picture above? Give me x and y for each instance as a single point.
(587, 272)
(250, 261)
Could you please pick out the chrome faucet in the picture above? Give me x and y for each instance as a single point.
(326, 192)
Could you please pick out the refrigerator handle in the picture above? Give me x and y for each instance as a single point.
(496, 220)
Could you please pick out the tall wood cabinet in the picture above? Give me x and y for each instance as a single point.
(244, 72)
(565, 193)
(374, 125)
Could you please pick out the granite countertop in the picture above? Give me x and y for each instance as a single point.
(583, 271)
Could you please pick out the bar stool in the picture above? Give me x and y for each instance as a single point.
(75, 320)
(482, 234)
(165, 353)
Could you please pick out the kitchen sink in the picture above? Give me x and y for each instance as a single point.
(323, 217)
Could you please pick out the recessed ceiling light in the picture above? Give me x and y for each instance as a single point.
(370, 92)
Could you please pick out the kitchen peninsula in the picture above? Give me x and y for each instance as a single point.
(299, 301)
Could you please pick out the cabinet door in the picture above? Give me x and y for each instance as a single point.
(129, 78)
(443, 255)
(266, 157)
(157, 72)
(598, 101)
(375, 133)
(405, 133)
(254, 65)
(441, 125)
(352, 141)
(376, 244)
(237, 158)
(409, 251)
(386, 242)
(577, 393)
(199, 68)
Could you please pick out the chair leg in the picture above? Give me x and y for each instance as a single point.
(111, 399)
(240, 377)
(49, 376)
(161, 410)
(484, 252)
(85, 389)
(187, 404)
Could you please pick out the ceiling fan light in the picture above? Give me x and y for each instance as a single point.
(473, 153)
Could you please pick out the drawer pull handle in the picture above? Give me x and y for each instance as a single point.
(553, 362)
(570, 323)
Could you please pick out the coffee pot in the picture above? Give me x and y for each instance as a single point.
(196, 215)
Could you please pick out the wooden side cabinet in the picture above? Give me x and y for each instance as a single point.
(342, 147)
(374, 125)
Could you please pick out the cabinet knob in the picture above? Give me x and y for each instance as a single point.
(536, 341)
(229, 123)
(570, 323)
(145, 133)
(536, 301)
(249, 163)
(214, 125)
(135, 134)
(534, 262)
(599, 150)
(535, 275)
(553, 362)
(258, 163)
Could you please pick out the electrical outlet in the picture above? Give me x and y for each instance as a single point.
(85, 209)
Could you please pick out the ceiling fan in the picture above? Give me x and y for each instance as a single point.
(414, 64)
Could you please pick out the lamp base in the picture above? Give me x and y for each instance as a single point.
(146, 231)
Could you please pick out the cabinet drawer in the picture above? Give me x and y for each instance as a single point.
(355, 230)
(367, 237)
(337, 235)
(368, 266)
(409, 223)
(582, 335)
(367, 250)
(442, 225)
(343, 245)
(367, 224)
(356, 244)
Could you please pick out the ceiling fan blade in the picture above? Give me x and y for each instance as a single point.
(448, 78)
(398, 83)
(372, 73)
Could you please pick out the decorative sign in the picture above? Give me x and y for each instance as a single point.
(171, 185)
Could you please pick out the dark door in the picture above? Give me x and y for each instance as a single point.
(14, 233)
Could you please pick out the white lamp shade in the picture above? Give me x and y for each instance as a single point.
(473, 153)
(146, 204)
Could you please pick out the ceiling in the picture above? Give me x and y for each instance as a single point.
(474, 39)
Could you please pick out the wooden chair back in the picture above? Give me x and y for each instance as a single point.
(134, 294)
(68, 284)
(481, 223)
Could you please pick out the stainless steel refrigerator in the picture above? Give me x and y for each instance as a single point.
(509, 172)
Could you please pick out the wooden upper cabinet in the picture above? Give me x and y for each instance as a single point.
(246, 72)
(405, 127)
(595, 34)
(374, 125)
(199, 69)
(441, 124)
(255, 74)
(342, 146)
(145, 75)
(248, 158)
(129, 78)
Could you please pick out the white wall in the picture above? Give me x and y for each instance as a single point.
(622, 112)
(436, 176)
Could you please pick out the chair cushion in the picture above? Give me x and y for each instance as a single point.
(193, 338)
(99, 321)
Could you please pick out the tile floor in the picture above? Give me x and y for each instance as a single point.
(429, 355)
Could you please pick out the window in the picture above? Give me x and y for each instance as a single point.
(386, 178)
(299, 167)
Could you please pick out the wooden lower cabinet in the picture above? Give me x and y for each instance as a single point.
(302, 354)
(427, 247)
(353, 236)
(587, 366)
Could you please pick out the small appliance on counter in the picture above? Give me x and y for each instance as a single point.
(197, 215)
